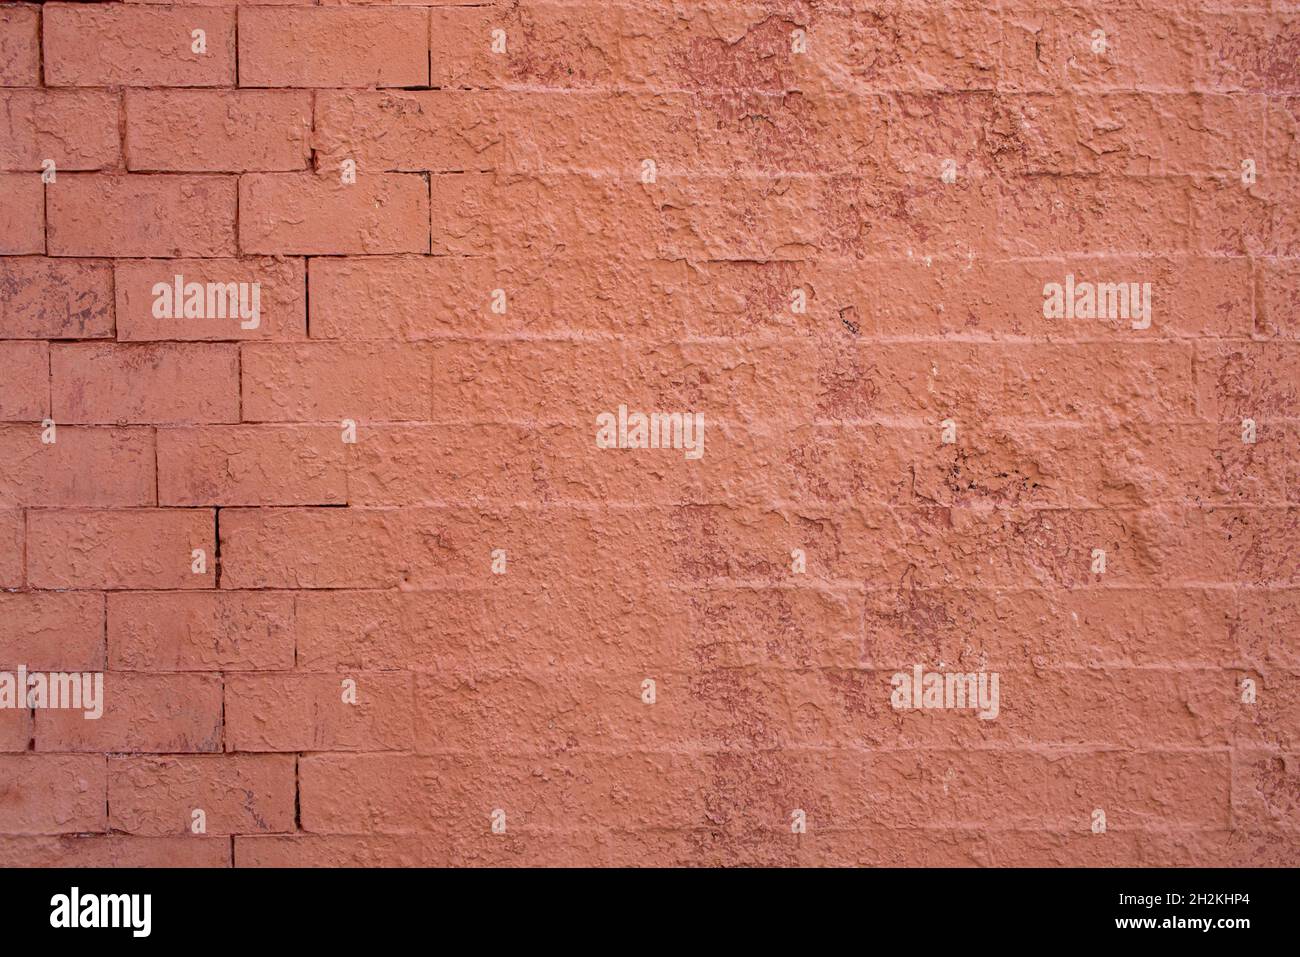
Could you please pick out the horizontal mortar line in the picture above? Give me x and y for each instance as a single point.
(864, 826)
(577, 334)
(739, 501)
(667, 170)
(817, 510)
(821, 260)
(584, 419)
(956, 748)
(825, 88)
(671, 669)
(466, 584)
(822, 88)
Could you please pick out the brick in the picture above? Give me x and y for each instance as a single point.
(304, 213)
(238, 793)
(140, 713)
(1259, 640)
(247, 465)
(457, 628)
(333, 47)
(126, 45)
(307, 712)
(1283, 145)
(52, 631)
(52, 794)
(25, 371)
(114, 850)
(1263, 792)
(145, 313)
(193, 131)
(951, 380)
(56, 298)
(15, 730)
(200, 631)
(1271, 720)
(1249, 52)
(76, 129)
(1138, 134)
(20, 45)
(328, 382)
(165, 383)
(1051, 50)
(574, 381)
(1237, 380)
(1230, 220)
(1277, 299)
(160, 216)
(311, 850)
(22, 214)
(401, 465)
(439, 130)
(82, 467)
(1249, 546)
(1057, 215)
(429, 297)
(1191, 296)
(119, 548)
(1077, 466)
(13, 539)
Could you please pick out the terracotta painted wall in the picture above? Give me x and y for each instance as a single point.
(989, 315)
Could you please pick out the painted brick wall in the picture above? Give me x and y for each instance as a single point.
(367, 584)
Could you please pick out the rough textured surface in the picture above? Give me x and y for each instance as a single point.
(428, 602)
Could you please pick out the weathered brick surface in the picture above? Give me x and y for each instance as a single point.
(20, 45)
(56, 298)
(336, 300)
(115, 44)
(36, 124)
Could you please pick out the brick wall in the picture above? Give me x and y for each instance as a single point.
(367, 586)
